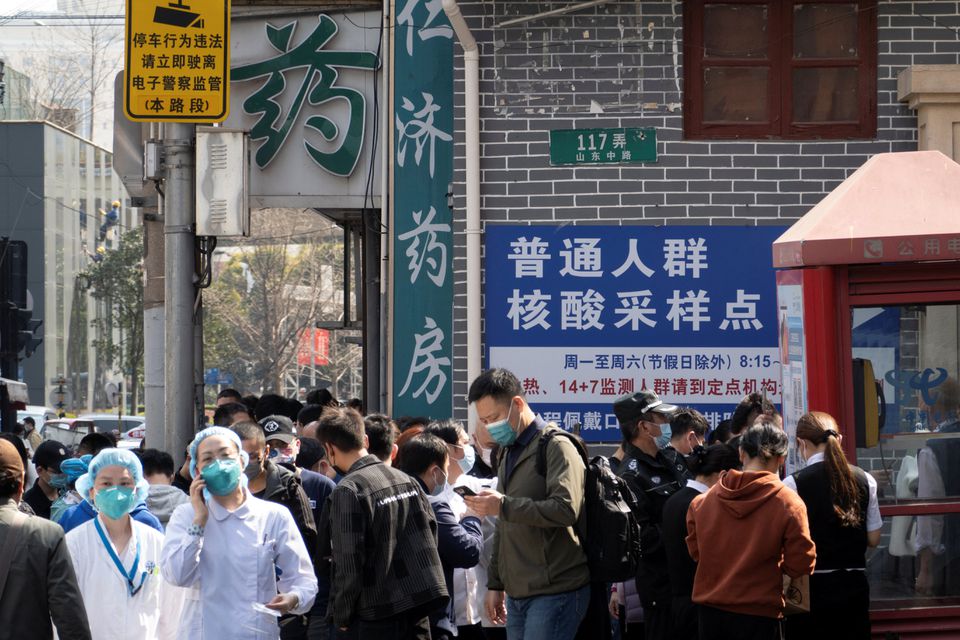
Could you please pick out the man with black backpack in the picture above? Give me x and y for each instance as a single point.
(538, 577)
(653, 474)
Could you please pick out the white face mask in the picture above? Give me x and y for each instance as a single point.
(484, 455)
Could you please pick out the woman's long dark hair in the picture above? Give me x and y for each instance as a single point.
(819, 428)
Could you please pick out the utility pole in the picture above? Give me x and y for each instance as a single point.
(179, 217)
(153, 327)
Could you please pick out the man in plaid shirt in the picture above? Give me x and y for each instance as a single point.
(386, 575)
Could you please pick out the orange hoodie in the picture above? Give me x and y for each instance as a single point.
(744, 534)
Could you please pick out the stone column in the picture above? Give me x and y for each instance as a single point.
(934, 91)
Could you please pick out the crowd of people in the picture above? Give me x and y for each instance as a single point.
(319, 522)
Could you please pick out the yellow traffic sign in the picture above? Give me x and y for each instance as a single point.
(177, 60)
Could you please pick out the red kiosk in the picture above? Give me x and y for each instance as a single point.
(869, 307)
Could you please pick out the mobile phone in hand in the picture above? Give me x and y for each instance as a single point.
(463, 492)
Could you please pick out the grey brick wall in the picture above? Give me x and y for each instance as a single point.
(620, 65)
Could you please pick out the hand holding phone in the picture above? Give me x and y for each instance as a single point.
(464, 491)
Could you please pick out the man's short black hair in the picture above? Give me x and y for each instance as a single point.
(322, 397)
(250, 431)
(29, 419)
(291, 408)
(311, 452)
(381, 434)
(251, 402)
(94, 443)
(270, 404)
(155, 461)
(223, 415)
(753, 403)
(421, 451)
(341, 428)
(233, 394)
(356, 404)
(686, 420)
(499, 384)
(408, 422)
(308, 414)
(447, 430)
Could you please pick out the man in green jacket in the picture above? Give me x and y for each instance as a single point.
(538, 579)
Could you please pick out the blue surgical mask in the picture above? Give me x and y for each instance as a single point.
(501, 431)
(664, 438)
(439, 487)
(115, 502)
(469, 458)
(59, 481)
(221, 476)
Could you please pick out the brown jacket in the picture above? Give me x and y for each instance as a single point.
(745, 533)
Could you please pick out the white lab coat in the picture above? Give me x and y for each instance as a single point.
(152, 614)
(235, 564)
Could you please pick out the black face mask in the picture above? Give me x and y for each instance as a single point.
(340, 471)
(253, 469)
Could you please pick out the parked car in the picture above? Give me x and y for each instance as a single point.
(67, 431)
(111, 422)
(40, 414)
(132, 438)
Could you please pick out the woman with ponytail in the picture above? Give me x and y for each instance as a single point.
(706, 464)
(844, 519)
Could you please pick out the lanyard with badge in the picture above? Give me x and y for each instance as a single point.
(129, 577)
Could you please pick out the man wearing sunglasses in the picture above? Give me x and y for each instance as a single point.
(653, 474)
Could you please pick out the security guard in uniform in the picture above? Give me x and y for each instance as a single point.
(653, 474)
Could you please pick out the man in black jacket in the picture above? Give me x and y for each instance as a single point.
(387, 575)
(39, 584)
(271, 482)
(653, 475)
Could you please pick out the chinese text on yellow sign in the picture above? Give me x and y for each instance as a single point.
(177, 60)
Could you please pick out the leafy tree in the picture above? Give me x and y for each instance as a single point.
(268, 291)
(116, 282)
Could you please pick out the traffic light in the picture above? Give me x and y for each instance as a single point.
(17, 326)
(27, 327)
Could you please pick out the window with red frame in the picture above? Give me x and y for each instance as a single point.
(790, 69)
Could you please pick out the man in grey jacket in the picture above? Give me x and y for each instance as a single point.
(38, 585)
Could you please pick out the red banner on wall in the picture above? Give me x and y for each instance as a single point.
(314, 348)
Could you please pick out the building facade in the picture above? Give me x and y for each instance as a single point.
(53, 188)
(759, 111)
(622, 64)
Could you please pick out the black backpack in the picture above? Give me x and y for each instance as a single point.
(608, 527)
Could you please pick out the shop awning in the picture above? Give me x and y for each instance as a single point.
(897, 207)
(16, 391)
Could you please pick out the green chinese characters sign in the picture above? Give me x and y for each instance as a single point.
(422, 234)
(602, 146)
(303, 85)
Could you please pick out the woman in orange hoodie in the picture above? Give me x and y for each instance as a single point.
(745, 533)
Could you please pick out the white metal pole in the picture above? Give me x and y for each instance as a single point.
(471, 71)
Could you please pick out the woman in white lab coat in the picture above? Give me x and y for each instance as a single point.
(117, 559)
(244, 556)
